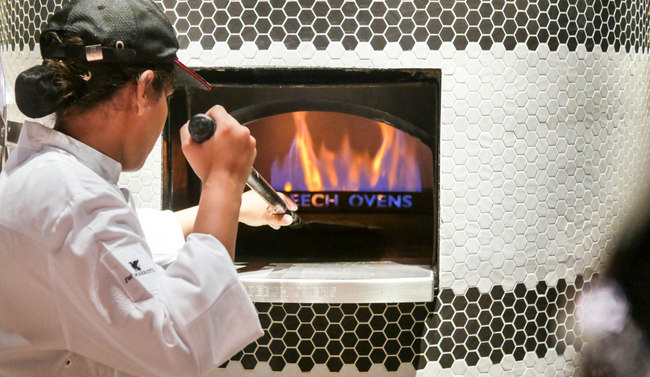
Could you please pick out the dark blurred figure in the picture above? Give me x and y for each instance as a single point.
(615, 312)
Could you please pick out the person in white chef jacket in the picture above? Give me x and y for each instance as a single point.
(80, 292)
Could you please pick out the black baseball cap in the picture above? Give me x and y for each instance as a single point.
(119, 31)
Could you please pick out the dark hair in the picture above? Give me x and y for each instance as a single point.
(60, 86)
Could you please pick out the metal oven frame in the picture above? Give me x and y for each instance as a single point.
(254, 93)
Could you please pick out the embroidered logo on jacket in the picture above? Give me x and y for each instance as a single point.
(135, 266)
(138, 271)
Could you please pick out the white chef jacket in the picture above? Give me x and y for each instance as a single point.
(80, 294)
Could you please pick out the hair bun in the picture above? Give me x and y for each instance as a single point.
(36, 91)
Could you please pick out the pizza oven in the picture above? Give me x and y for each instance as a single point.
(357, 150)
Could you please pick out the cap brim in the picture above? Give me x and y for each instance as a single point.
(185, 77)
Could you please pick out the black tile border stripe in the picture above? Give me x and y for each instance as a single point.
(454, 327)
(598, 24)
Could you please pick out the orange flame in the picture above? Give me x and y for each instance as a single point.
(306, 152)
(393, 167)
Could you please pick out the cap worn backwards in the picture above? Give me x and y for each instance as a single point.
(119, 31)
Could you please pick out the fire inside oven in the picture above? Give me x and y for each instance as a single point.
(364, 178)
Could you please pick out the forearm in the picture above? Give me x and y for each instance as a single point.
(186, 218)
(253, 212)
(218, 211)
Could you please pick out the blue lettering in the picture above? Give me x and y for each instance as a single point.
(315, 202)
(370, 200)
(356, 200)
(320, 200)
(407, 201)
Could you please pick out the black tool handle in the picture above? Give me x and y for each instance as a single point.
(202, 127)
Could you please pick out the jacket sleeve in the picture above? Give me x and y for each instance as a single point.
(163, 234)
(119, 308)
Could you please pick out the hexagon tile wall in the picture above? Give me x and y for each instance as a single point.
(544, 146)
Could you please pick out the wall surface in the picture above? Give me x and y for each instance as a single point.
(545, 136)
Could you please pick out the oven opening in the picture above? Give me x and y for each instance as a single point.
(358, 151)
(364, 189)
(329, 151)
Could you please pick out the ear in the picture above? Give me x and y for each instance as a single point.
(144, 82)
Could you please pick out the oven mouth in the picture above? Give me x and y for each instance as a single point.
(364, 189)
(367, 231)
(334, 151)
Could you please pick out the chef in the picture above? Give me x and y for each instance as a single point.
(81, 293)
